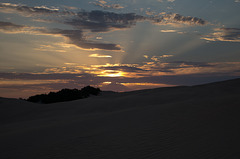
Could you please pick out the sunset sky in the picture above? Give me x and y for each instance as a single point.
(118, 45)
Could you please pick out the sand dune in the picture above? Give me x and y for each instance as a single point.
(198, 122)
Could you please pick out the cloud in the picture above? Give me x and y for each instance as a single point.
(101, 21)
(166, 0)
(147, 76)
(168, 31)
(102, 2)
(75, 37)
(85, 22)
(118, 87)
(157, 58)
(83, 74)
(39, 76)
(49, 48)
(177, 18)
(70, 7)
(121, 68)
(150, 12)
(237, 1)
(32, 11)
(100, 56)
(157, 68)
(145, 56)
(25, 82)
(104, 5)
(98, 21)
(224, 34)
(99, 38)
(187, 64)
(154, 68)
(10, 27)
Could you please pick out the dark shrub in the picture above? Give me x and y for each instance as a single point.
(64, 95)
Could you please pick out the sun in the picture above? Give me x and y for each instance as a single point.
(111, 73)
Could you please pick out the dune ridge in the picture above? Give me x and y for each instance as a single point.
(195, 122)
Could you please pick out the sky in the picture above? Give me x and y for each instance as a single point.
(118, 45)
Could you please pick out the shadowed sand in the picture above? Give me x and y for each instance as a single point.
(198, 122)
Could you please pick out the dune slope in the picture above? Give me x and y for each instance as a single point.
(198, 122)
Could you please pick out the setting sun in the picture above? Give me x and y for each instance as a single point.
(111, 73)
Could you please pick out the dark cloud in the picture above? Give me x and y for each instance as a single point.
(8, 26)
(174, 66)
(44, 76)
(177, 18)
(101, 21)
(187, 64)
(85, 22)
(224, 34)
(187, 80)
(122, 68)
(32, 11)
(97, 21)
(77, 38)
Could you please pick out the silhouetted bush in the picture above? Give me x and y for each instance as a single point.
(64, 95)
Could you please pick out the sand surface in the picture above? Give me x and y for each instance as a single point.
(199, 122)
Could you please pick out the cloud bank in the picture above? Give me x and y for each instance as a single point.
(75, 37)
(86, 22)
(152, 74)
(101, 21)
(32, 11)
(224, 34)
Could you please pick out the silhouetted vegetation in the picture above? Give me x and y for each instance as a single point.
(64, 95)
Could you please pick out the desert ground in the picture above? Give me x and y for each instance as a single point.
(186, 122)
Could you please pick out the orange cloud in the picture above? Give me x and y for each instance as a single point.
(100, 56)
(224, 34)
